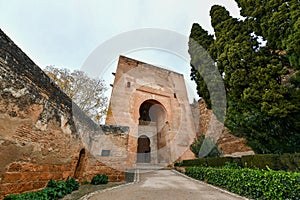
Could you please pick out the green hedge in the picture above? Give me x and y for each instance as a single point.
(211, 162)
(219, 162)
(256, 184)
(287, 162)
(195, 162)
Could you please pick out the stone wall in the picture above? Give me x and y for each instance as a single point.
(228, 143)
(43, 134)
(196, 116)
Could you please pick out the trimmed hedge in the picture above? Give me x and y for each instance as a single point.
(256, 184)
(212, 162)
(195, 162)
(220, 162)
(287, 162)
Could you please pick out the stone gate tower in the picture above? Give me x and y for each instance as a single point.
(153, 102)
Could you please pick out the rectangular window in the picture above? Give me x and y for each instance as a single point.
(105, 153)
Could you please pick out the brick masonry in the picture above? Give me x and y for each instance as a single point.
(43, 134)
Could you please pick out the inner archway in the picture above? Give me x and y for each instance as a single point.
(143, 150)
(153, 128)
(151, 111)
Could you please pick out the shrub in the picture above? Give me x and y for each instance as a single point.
(260, 161)
(256, 184)
(178, 164)
(212, 162)
(54, 190)
(207, 143)
(290, 162)
(99, 179)
(195, 162)
(85, 183)
(72, 184)
(287, 162)
(232, 165)
(220, 162)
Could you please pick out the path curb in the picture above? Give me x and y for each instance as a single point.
(136, 180)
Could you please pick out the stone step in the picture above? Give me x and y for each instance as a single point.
(150, 166)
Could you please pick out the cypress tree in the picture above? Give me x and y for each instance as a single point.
(259, 58)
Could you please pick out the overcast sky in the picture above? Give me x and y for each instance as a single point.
(65, 32)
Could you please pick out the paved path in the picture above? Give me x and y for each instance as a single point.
(165, 185)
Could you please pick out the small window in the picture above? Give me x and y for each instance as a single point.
(105, 153)
(128, 84)
(175, 95)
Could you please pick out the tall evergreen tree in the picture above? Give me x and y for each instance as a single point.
(261, 80)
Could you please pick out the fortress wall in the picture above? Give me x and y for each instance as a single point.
(39, 138)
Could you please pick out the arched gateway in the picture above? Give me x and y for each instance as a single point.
(153, 103)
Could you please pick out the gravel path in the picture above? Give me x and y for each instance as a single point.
(165, 185)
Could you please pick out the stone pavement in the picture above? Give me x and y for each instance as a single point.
(164, 184)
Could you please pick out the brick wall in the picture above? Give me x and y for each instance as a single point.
(42, 132)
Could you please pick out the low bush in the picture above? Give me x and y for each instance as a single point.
(256, 184)
(290, 161)
(232, 165)
(211, 162)
(286, 162)
(72, 184)
(84, 183)
(178, 164)
(220, 162)
(99, 179)
(54, 190)
(196, 162)
(208, 145)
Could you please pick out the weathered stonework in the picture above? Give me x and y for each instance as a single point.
(228, 143)
(153, 102)
(43, 134)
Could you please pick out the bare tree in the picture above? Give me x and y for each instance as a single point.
(88, 93)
